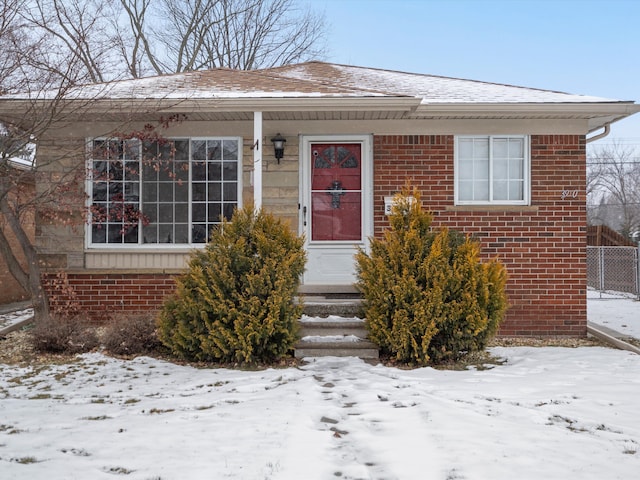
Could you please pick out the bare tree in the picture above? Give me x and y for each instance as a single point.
(51, 46)
(613, 187)
(114, 39)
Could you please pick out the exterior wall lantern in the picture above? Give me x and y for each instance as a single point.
(278, 146)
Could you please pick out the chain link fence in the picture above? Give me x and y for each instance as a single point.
(614, 269)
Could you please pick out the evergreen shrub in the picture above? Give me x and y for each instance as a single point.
(236, 301)
(427, 296)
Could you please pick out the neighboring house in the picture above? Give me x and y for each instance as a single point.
(505, 164)
(10, 290)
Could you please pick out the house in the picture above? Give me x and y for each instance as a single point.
(503, 163)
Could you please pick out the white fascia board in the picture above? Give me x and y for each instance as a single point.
(569, 109)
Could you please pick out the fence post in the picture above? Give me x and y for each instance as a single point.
(601, 269)
(638, 271)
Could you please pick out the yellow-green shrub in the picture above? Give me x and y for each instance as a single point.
(427, 296)
(235, 303)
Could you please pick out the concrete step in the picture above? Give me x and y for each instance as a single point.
(332, 325)
(361, 349)
(323, 306)
(334, 336)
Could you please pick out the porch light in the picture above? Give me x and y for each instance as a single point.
(278, 146)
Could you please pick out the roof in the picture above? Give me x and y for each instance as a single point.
(319, 79)
(319, 86)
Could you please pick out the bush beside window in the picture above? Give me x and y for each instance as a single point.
(236, 301)
(427, 296)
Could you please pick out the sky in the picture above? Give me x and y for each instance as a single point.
(541, 412)
(589, 47)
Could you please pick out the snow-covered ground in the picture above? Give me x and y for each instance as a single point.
(616, 311)
(14, 317)
(552, 413)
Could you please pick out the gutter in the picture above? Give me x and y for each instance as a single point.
(607, 129)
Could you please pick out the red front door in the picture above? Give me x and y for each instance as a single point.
(336, 192)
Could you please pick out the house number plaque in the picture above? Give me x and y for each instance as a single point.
(569, 194)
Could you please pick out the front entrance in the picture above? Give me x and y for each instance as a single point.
(336, 213)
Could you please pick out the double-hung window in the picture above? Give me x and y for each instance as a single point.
(169, 192)
(492, 170)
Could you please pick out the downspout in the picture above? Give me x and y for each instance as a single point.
(607, 129)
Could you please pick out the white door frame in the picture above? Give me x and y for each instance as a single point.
(332, 262)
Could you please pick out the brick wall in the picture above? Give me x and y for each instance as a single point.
(543, 245)
(106, 295)
(10, 290)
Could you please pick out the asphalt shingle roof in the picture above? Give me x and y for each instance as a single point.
(319, 79)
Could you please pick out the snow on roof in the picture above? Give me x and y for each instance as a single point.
(431, 88)
(319, 79)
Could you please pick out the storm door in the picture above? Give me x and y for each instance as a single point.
(333, 209)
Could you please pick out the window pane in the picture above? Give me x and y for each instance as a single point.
(181, 150)
(182, 212)
(100, 150)
(227, 210)
(481, 191)
(132, 149)
(230, 171)
(516, 190)
(229, 192)
(516, 148)
(214, 150)
(100, 192)
(165, 192)
(198, 192)
(199, 233)
(131, 235)
(215, 211)
(150, 171)
(198, 150)
(516, 169)
(165, 233)
(465, 169)
(500, 148)
(198, 171)
(131, 170)
(98, 233)
(230, 150)
(150, 233)
(465, 190)
(214, 171)
(181, 170)
(100, 170)
(500, 190)
(465, 148)
(481, 169)
(151, 212)
(181, 192)
(199, 212)
(182, 233)
(501, 168)
(481, 148)
(215, 192)
(165, 213)
(149, 192)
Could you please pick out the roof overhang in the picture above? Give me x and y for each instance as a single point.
(596, 114)
(310, 107)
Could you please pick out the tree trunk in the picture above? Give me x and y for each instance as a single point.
(29, 279)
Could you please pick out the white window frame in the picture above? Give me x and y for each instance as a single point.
(526, 200)
(89, 244)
